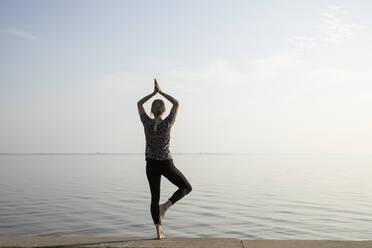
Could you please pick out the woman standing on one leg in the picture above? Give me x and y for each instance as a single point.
(159, 160)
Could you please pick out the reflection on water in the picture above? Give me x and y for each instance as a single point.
(239, 196)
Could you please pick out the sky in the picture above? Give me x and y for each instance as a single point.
(250, 76)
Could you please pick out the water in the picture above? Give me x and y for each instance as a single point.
(237, 196)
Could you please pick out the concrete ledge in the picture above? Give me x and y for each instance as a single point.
(53, 241)
(47, 241)
(306, 244)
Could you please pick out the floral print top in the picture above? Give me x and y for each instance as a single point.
(157, 142)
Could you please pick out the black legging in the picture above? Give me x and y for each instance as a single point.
(154, 170)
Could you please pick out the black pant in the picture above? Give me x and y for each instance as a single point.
(154, 170)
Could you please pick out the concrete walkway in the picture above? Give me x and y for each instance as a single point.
(48, 241)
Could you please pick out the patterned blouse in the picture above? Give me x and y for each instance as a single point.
(157, 142)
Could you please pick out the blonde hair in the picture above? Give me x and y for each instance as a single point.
(157, 109)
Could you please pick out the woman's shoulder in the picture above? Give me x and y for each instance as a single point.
(145, 118)
(170, 118)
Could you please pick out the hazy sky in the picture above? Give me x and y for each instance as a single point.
(250, 76)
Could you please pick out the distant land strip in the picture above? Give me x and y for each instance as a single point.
(174, 153)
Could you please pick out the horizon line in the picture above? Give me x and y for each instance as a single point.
(187, 153)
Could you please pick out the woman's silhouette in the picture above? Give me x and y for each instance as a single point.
(159, 160)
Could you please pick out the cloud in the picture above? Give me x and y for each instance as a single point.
(225, 74)
(20, 33)
(303, 41)
(119, 81)
(270, 67)
(216, 73)
(337, 24)
(336, 27)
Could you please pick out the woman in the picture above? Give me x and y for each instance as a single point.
(159, 160)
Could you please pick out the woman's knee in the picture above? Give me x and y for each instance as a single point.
(185, 189)
(188, 189)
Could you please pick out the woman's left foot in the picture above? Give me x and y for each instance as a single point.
(163, 208)
(161, 236)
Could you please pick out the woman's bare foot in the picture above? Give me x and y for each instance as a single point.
(159, 232)
(161, 236)
(162, 209)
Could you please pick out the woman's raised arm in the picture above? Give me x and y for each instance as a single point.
(144, 99)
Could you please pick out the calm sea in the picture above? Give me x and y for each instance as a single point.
(238, 196)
